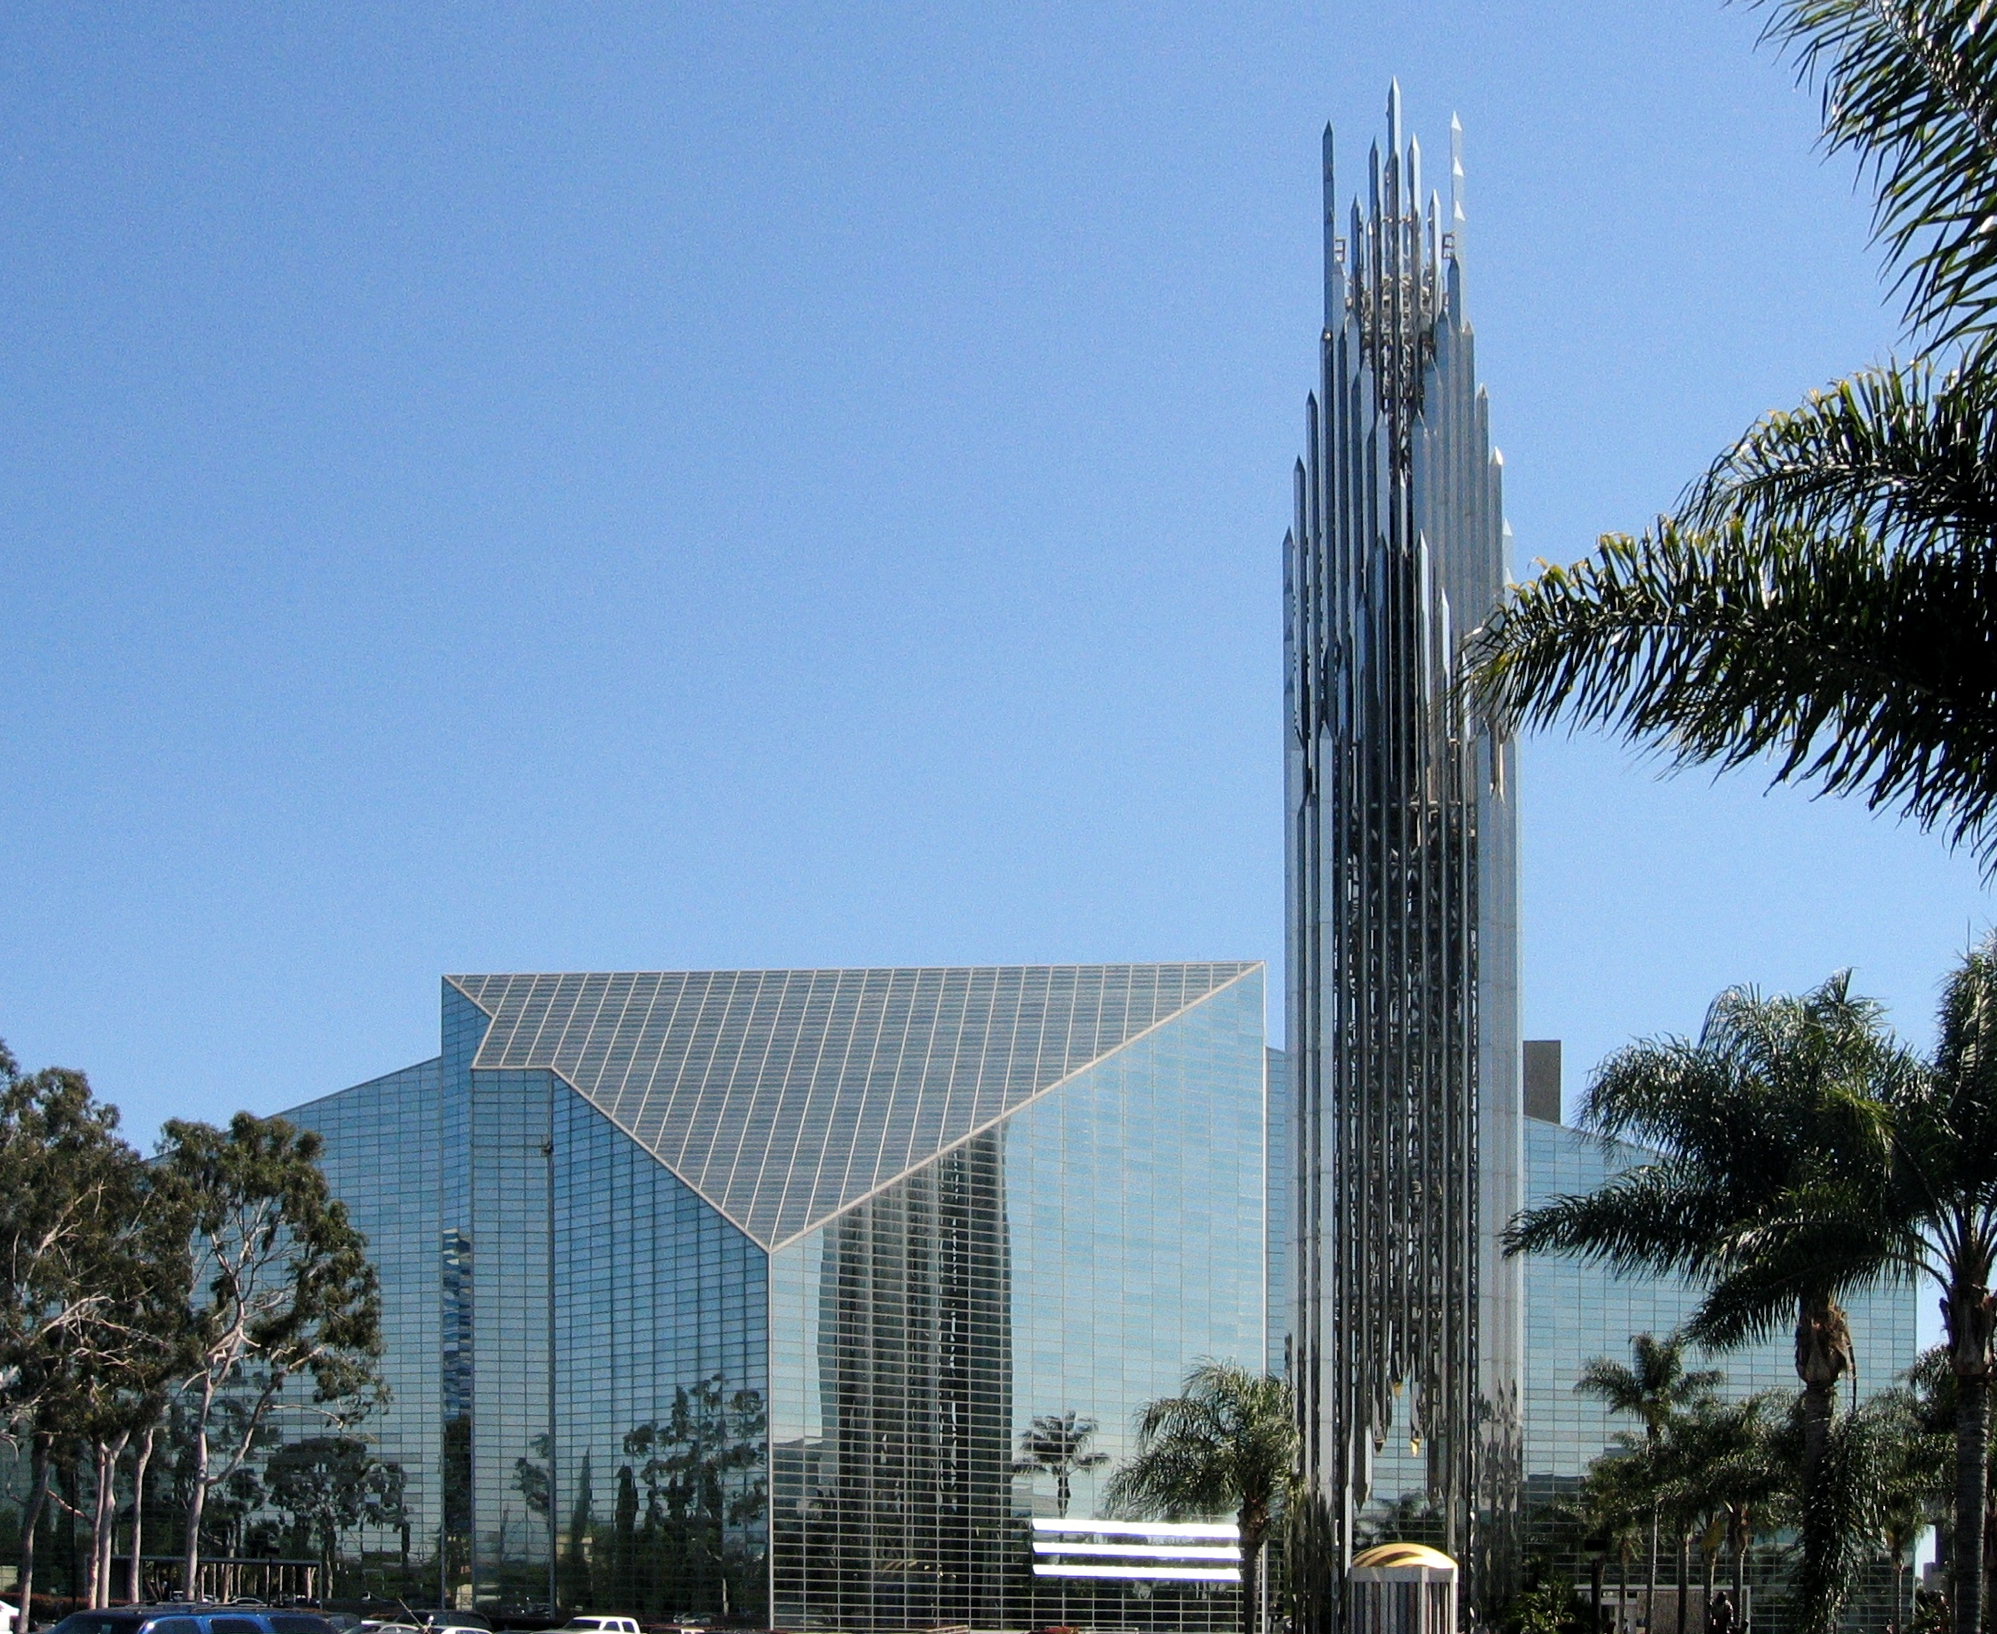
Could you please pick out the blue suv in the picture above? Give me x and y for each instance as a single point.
(193, 1619)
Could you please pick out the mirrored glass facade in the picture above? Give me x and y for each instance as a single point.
(785, 1376)
(381, 1156)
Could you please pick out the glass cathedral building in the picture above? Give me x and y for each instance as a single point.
(734, 1292)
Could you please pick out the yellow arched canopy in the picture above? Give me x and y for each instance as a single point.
(1403, 1554)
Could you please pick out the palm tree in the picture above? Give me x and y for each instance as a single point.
(1654, 1391)
(1724, 1475)
(1933, 1218)
(1228, 1443)
(1614, 1506)
(1929, 1214)
(1824, 595)
(1776, 1096)
(1057, 1444)
(1943, 1227)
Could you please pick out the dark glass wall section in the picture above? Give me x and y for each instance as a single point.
(661, 1343)
(901, 1517)
(510, 1132)
(464, 1026)
(381, 1158)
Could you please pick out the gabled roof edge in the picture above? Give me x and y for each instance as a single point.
(1248, 967)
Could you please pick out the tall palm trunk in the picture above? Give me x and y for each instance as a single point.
(1823, 1355)
(1684, 1572)
(1970, 1313)
(1254, 1525)
(1650, 1578)
(1739, 1535)
(1972, 1461)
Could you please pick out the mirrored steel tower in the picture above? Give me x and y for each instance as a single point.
(1402, 901)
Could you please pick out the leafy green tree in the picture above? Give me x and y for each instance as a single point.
(1723, 1473)
(1227, 1444)
(1932, 1218)
(1742, 1470)
(1547, 1607)
(1654, 1388)
(86, 1271)
(1926, 1211)
(285, 1289)
(1057, 1444)
(1914, 1490)
(1777, 1096)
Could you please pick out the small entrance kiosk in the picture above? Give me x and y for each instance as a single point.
(1401, 1588)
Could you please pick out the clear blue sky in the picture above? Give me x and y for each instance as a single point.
(487, 487)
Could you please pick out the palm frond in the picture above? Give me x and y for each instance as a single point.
(1853, 667)
(1909, 89)
(1900, 453)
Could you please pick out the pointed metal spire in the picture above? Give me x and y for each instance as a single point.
(1435, 245)
(1332, 296)
(1456, 183)
(1394, 115)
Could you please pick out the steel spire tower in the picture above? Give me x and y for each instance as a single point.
(1401, 860)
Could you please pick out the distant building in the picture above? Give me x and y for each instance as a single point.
(736, 1291)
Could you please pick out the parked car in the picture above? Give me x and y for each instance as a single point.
(602, 1625)
(194, 1618)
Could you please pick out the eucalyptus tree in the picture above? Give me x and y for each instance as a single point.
(88, 1282)
(283, 1288)
(1227, 1443)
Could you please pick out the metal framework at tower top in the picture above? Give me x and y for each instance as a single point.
(1402, 910)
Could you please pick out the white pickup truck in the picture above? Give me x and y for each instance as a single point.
(600, 1625)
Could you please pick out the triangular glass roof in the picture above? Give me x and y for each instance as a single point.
(785, 1096)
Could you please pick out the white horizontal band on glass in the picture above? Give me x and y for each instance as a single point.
(1139, 1551)
(1147, 1574)
(1140, 1529)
